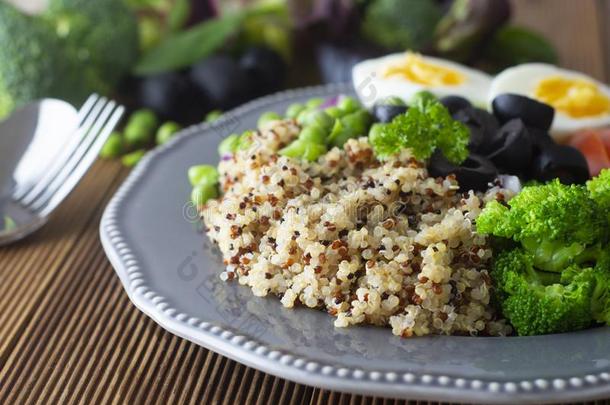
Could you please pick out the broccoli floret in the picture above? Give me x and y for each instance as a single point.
(552, 211)
(401, 24)
(74, 48)
(536, 302)
(29, 55)
(557, 277)
(100, 36)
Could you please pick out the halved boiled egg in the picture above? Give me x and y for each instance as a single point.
(579, 100)
(404, 74)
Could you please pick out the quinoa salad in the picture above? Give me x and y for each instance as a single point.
(369, 242)
(413, 216)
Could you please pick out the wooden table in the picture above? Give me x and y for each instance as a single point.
(68, 332)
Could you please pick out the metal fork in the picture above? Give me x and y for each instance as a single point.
(31, 204)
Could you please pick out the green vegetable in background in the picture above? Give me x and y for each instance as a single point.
(514, 45)
(422, 131)
(167, 132)
(556, 275)
(187, 47)
(113, 147)
(132, 159)
(401, 24)
(466, 26)
(140, 128)
(212, 116)
(74, 48)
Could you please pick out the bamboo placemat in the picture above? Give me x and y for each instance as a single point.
(68, 332)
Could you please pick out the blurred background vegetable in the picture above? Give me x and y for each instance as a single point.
(182, 59)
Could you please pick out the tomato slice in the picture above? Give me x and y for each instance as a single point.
(595, 146)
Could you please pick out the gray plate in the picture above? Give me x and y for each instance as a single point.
(170, 272)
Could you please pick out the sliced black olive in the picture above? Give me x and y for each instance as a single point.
(562, 162)
(540, 139)
(439, 166)
(475, 173)
(511, 150)
(483, 127)
(455, 103)
(265, 69)
(532, 113)
(221, 79)
(386, 112)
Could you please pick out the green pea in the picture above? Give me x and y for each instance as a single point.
(319, 118)
(167, 132)
(228, 145)
(244, 141)
(314, 103)
(212, 116)
(295, 150)
(393, 100)
(201, 174)
(203, 192)
(313, 134)
(313, 151)
(267, 117)
(375, 132)
(293, 110)
(348, 104)
(132, 159)
(113, 147)
(349, 126)
(421, 99)
(140, 128)
(334, 112)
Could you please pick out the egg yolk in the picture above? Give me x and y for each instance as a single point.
(576, 98)
(415, 69)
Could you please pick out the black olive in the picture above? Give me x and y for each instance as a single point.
(483, 127)
(475, 173)
(455, 103)
(562, 162)
(221, 79)
(511, 150)
(540, 139)
(533, 113)
(172, 97)
(265, 69)
(439, 166)
(386, 112)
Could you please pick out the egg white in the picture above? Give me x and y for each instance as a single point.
(371, 85)
(523, 80)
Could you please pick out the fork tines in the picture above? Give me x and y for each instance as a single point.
(96, 119)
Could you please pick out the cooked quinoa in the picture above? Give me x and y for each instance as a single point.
(369, 242)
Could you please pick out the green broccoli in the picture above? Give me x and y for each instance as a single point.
(74, 48)
(426, 126)
(401, 24)
(537, 302)
(559, 224)
(101, 37)
(555, 277)
(28, 54)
